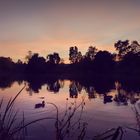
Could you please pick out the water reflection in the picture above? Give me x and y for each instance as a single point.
(54, 86)
(124, 90)
(73, 89)
(107, 101)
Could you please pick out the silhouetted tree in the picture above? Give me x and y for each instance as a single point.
(74, 55)
(20, 67)
(56, 58)
(103, 61)
(36, 64)
(124, 47)
(6, 64)
(130, 64)
(79, 56)
(88, 59)
(130, 57)
(53, 58)
(93, 62)
(135, 47)
(90, 54)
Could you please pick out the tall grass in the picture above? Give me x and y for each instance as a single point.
(8, 118)
(70, 124)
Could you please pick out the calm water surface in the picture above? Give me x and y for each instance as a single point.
(103, 109)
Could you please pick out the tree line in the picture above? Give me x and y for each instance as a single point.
(126, 61)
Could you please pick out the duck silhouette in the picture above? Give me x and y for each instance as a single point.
(107, 99)
(40, 105)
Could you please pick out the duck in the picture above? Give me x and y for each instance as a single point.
(107, 99)
(39, 105)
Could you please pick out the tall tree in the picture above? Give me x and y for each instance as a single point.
(135, 47)
(6, 64)
(56, 58)
(74, 55)
(124, 47)
(104, 61)
(53, 58)
(91, 53)
(36, 64)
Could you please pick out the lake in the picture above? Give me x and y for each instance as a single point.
(93, 107)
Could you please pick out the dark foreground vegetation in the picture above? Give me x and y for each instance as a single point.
(126, 63)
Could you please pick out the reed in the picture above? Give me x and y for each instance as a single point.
(8, 118)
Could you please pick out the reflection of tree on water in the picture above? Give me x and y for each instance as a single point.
(29, 90)
(62, 83)
(133, 97)
(127, 90)
(53, 86)
(91, 92)
(73, 90)
(93, 89)
(121, 96)
(35, 84)
(7, 81)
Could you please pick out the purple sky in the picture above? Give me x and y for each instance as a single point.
(46, 26)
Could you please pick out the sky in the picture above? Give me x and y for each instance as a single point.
(47, 26)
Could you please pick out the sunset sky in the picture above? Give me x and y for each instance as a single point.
(46, 26)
